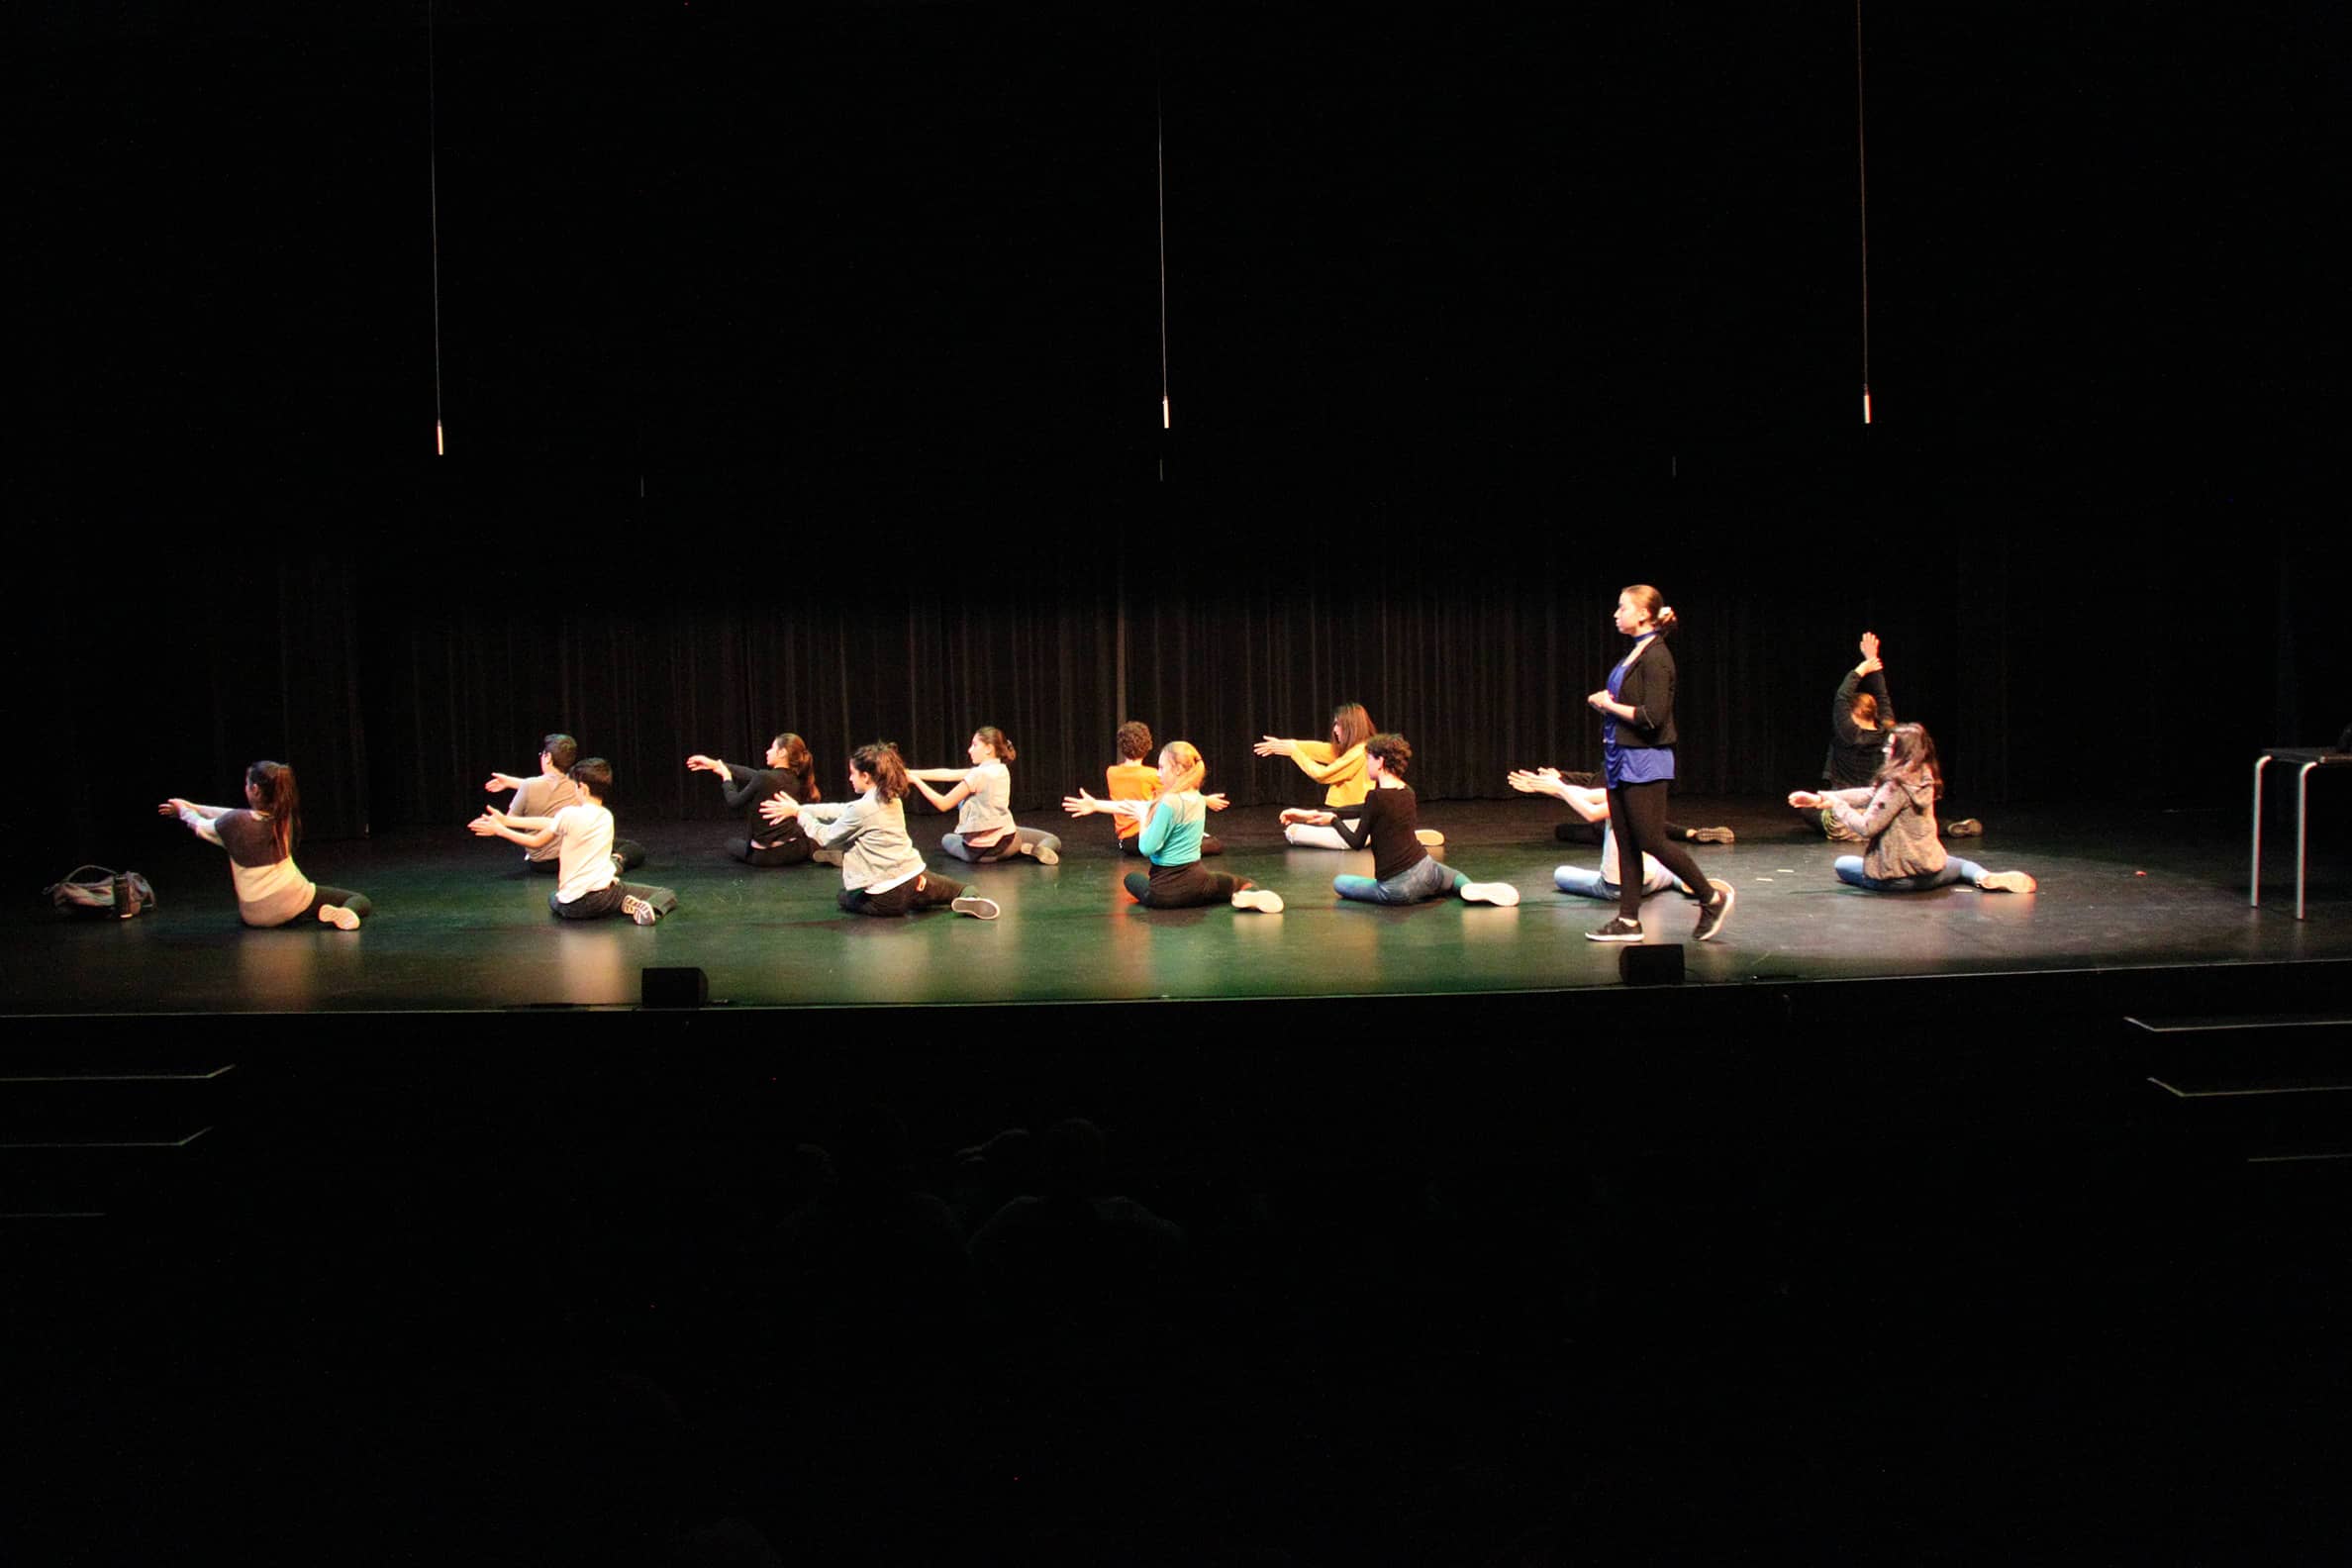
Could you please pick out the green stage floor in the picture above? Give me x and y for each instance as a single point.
(460, 926)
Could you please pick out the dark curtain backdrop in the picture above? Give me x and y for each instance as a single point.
(2052, 662)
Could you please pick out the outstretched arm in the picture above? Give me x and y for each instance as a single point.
(1084, 805)
(946, 802)
(198, 817)
(531, 832)
(502, 782)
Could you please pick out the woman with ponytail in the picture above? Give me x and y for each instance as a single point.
(259, 837)
(881, 874)
(984, 829)
(1638, 739)
(1171, 841)
(790, 771)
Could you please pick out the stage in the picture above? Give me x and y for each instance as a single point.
(459, 924)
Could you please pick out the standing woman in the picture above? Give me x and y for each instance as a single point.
(790, 770)
(259, 837)
(881, 874)
(1637, 737)
(984, 827)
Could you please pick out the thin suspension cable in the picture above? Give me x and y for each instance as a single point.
(1862, 172)
(432, 188)
(1161, 168)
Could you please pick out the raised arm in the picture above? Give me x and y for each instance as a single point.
(500, 783)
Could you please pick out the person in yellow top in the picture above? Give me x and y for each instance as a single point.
(1339, 766)
(1134, 778)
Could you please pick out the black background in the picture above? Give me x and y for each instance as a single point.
(802, 368)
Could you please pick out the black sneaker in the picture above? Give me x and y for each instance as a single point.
(1712, 916)
(1620, 929)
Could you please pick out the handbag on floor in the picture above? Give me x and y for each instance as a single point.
(95, 890)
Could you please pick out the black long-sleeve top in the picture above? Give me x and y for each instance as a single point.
(1855, 752)
(745, 787)
(1389, 820)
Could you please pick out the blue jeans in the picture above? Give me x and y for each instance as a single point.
(1588, 882)
(1955, 869)
(1423, 880)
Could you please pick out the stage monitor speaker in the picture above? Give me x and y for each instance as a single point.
(1644, 965)
(674, 988)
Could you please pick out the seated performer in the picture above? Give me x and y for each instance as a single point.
(1591, 830)
(789, 770)
(1590, 801)
(1896, 816)
(547, 792)
(1171, 841)
(1131, 778)
(590, 887)
(259, 837)
(984, 827)
(1389, 820)
(881, 874)
(1339, 766)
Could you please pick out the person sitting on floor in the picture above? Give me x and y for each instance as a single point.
(1894, 815)
(590, 887)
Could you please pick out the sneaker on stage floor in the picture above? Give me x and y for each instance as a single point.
(636, 909)
(827, 856)
(1713, 918)
(1264, 900)
(1712, 836)
(1499, 893)
(1431, 838)
(1965, 828)
(1620, 929)
(2008, 882)
(1044, 854)
(977, 907)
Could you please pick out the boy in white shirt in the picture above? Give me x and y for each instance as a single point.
(590, 885)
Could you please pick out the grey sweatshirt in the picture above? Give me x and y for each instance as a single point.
(1897, 816)
(871, 834)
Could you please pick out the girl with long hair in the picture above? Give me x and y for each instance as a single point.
(1895, 813)
(984, 826)
(789, 770)
(1637, 738)
(259, 837)
(881, 874)
(1339, 766)
(1171, 841)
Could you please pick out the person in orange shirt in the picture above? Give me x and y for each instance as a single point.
(1134, 778)
(1339, 766)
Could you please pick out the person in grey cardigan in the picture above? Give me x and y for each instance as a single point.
(1895, 814)
(881, 873)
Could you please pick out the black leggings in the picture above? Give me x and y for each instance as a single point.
(1185, 886)
(606, 901)
(928, 891)
(792, 851)
(1638, 814)
(1209, 846)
